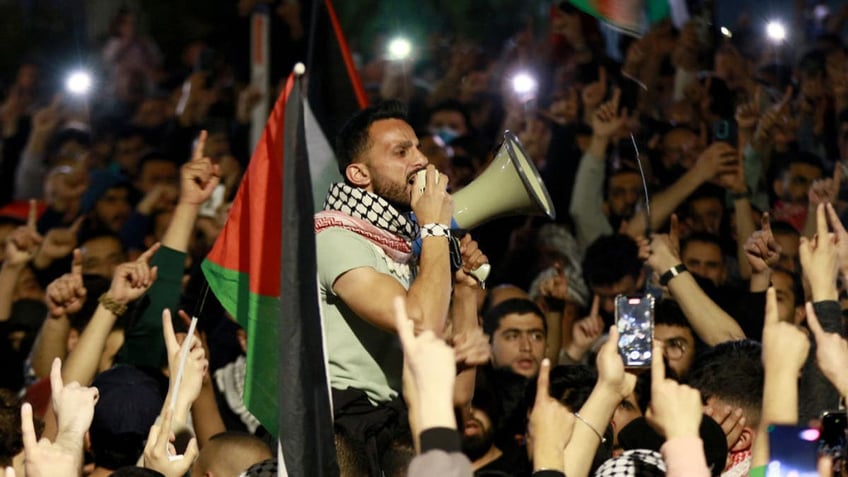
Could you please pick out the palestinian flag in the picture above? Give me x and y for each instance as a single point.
(632, 17)
(262, 270)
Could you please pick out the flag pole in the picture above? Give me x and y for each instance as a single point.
(358, 89)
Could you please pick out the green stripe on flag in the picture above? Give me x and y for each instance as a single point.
(249, 309)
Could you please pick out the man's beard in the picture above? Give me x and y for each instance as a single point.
(395, 194)
(476, 446)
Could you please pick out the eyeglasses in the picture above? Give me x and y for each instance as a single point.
(675, 348)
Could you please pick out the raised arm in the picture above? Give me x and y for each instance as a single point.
(20, 247)
(370, 293)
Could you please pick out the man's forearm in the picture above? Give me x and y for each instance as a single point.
(82, 363)
(51, 343)
(8, 279)
(744, 229)
(709, 321)
(178, 233)
(587, 200)
(429, 295)
(597, 412)
(664, 203)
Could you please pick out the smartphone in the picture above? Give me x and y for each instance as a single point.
(725, 130)
(793, 451)
(634, 316)
(832, 441)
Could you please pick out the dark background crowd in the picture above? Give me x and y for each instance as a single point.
(713, 141)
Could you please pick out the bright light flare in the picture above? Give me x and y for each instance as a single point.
(776, 31)
(79, 83)
(524, 84)
(726, 32)
(399, 48)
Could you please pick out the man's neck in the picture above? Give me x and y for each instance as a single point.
(101, 472)
(490, 456)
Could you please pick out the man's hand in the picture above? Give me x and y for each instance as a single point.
(825, 190)
(676, 409)
(831, 352)
(611, 373)
(430, 200)
(554, 288)
(663, 255)
(431, 361)
(195, 366)
(785, 346)
(761, 249)
(550, 426)
(819, 259)
(732, 422)
(57, 243)
(133, 279)
(199, 176)
(585, 332)
(717, 160)
(606, 119)
(472, 258)
(66, 295)
(471, 348)
(43, 458)
(841, 237)
(23, 242)
(160, 197)
(593, 93)
(72, 403)
(160, 448)
(46, 119)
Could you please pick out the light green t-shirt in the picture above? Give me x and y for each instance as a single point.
(360, 355)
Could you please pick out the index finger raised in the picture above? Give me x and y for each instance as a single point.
(32, 216)
(543, 381)
(199, 146)
(56, 383)
(771, 317)
(171, 342)
(76, 263)
(28, 428)
(146, 256)
(657, 365)
(821, 222)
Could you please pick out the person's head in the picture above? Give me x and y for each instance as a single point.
(11, 438)
(790, 295)
(155, 169)
(624, 188)
(448, 120)
(228, 454)
(673, 329)
(611, 266)
(378, 151)
(478, 428)
(701, 253)
(731, 374)
(129, 146)
(102, 251)
(789, 240)
(797, 174)
(680, 148)
(67, 146)
(129, 403)
(705, 210)
(518, 331)
(107, 200)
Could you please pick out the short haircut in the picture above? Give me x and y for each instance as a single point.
(797, 284)
(702, 237)
(797, 157)
(609, 259)
(11, 438)
(733, 373)
(451, 105)
(668, 312)
(353, 139)
(780, 227)
(230, 453)
(519, 306)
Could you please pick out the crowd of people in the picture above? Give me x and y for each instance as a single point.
(696, 169)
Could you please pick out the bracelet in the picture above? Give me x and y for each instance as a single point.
(584, 421)
(671, 273)
(434, 230)
(113, 306)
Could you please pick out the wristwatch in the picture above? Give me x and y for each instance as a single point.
(671, 273)
(434, 230)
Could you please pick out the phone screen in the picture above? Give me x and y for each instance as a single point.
(833, 439)
(725, 130)
(793, 451)
(634, 316)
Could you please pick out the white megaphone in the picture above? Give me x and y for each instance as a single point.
(510, 185)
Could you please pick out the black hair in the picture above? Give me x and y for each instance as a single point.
(702, 237)
(797, 286)
(353, 138)
(151, 155)
(611, 258)
(783, 227)
(451, 105)
(797, 157)
(517, 306)
(64, 136)
(732, 372)
(11, 438)
(668, 312)
(87, 234)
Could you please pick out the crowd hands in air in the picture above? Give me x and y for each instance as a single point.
(104, 227)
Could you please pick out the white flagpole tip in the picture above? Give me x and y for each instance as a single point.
(299, 69)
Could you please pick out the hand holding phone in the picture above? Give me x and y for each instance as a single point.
(634, 316)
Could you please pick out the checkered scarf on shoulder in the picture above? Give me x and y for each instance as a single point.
(370, 216)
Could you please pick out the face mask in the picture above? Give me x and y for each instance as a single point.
(446, 134)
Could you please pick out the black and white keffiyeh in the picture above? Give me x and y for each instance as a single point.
(370, 207)
(633, 463)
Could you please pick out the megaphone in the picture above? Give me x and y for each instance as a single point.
(510, 185)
